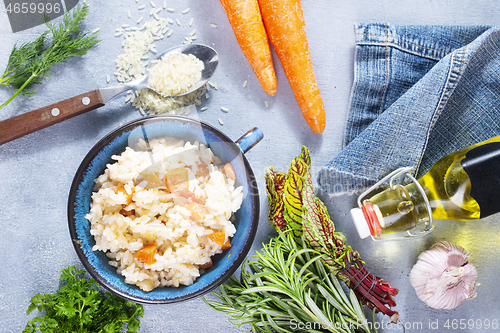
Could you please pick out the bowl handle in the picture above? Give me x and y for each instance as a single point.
(249, 139)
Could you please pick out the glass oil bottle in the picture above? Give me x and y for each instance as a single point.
(461, 186)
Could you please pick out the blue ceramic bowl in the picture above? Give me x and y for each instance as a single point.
(94, 164)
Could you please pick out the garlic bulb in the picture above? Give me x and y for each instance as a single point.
(443, 277)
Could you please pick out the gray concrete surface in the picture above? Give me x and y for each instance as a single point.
(37, 170)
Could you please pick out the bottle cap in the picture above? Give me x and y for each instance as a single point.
(360, 223)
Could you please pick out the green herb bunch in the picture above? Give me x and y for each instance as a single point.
(80, 307)
(294, 285)
(294, 206)
(288, 289)
(32, 61)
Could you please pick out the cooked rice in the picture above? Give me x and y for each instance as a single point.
(135, 204)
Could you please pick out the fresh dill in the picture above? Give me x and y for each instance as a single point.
(31, 62)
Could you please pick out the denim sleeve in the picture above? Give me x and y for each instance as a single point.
(419, 93)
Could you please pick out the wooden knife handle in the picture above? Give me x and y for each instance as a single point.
(46, 116)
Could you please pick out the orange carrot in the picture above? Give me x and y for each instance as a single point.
(246, 21)
(220, 238)
(285, 26)
(147, 254)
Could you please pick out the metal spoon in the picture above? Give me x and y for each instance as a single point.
(35, 120)
(206, 54)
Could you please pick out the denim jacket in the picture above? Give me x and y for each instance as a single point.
(419, 93)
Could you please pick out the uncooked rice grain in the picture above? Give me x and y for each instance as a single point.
(133, 63)
(175, 73)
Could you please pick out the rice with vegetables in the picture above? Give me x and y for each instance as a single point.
(160, 223)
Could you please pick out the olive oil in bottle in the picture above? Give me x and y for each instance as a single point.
(461, 186)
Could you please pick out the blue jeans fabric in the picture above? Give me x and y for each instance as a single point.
(419, 93)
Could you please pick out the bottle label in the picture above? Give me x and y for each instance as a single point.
(482, 165)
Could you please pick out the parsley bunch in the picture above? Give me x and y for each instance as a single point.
(30, 63)
(78, 307)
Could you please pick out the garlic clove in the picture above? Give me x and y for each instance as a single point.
(443, 277)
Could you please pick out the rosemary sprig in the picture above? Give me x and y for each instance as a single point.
(30, 63)
(288, 289)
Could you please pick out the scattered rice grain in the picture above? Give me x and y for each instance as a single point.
(266, 103)
(108, 78)
(152, 3)
(128, 13)
(185, 11)
(191, 21)
(245, 83)
(141, 7)
(221, 122)
(204, 108)
(213, 25)
(140, 19)
(224, 109)
(170, 9)
(192, 32)
(178, 22)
